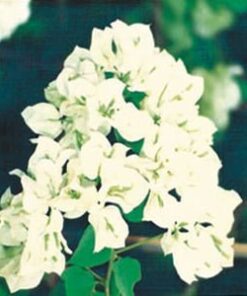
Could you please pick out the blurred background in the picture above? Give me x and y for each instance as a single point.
(208, 35)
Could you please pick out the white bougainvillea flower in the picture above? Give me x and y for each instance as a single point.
(13, 220)
(42, 187)
(156, 171)
(122, 47)
(73, 86)
(41, 254)
(48, 149)
(166, 140)
(202, 205)
(44, 179)
(43, 249)
(198, 239)
(192, 170)
(200, 255)
(75, 124)
(13, 13)
(105, 105)
(43, 119)
(167, 97)
(92, 154)
(78, 194)
(201, 131)
(121, 131)
(81, 61)
(79, 76)
(10, 264)
(198, 205)
(110, 228)
(122, 185)
(52, 94)
(159, 206)
(133, 124)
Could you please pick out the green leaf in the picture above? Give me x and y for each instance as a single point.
(134, 97)
(84, 254)
(78, 282)
(113, 287)
(98, 293)
(126, 272)
(109, 75)
(136, 146)
(4, 291)
(136, 214)
(238, 6)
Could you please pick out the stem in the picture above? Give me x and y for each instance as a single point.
(97, 276)
(108, 275)
(139, 244)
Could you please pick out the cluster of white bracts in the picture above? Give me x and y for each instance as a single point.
(12, 14)
(121, 92)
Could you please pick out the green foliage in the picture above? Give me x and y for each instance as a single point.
(109, 75)
(126, 273)
(3, 288)
(78, 282)
(238, 6)
(84, 255)
(134, 146)
(98, 294)
(134, 97)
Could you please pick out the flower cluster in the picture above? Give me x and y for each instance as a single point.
(120, 129)
(12, 14)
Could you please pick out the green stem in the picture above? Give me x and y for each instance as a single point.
(108, 275)
(97, 276)
(139, 244)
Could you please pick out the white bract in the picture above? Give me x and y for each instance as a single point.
(43, 119)
(12, 14)
(110, 228)
(121, 131)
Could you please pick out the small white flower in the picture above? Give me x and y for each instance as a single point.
(82, 63)
(24, 265)
(122, 185)
(123, 48)
(133, 124)
(78, 195)
(198, 255)
(105, 105)
(13, 222)
(160, 208)
(48, 149)
(110, 229)
(43, 119)
(92, 154)
(73, 86)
